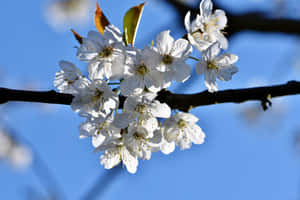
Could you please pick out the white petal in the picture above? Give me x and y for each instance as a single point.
(161, 110)
(96, 37)
(186, 117)
(212, 51)
(225, 74)
(187, 22)
(132, 86)
(210, 81)
(222, 40)
(88, 50)
(226, 59)
(157, 137)
(112, 33)
(170, 132)
(196, 134)
(167, 148)
(130, 161)
(182, 72)
(182, 49)
(154, 81)
(150, 125)
(98, 140)
(122, 120)
(96, 70)
(86, 129)
(164, 42)
(184, 144)
(110, 158)
(130, 103)
(151, 57)
(199, 44)
(221, 19)
(117, 68)
(201, 67)
(206, 8)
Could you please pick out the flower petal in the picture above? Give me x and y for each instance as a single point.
(206, 8)
(210, 81)
(181, 71)
(110, 158)
(164, 42)
(130, 161)
(167, 148)
(187, 22)
(221, 19)
(182, 49)
(201, 67)
(132, 86)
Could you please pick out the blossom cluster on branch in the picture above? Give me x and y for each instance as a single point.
(116, 66)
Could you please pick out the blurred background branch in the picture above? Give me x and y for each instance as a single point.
(251, 21)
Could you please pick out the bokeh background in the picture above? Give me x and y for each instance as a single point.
(248, 154)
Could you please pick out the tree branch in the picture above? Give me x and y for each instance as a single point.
(255, 21)
(183, 102)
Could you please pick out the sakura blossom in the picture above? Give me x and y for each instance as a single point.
(215, 66)
(207, 27)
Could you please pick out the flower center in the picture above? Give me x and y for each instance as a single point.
(106, 52)
(181, 123)
(212, 65)
(137, 135)
(101, 127)
(97, 95)
(140, 108)
(167, 59)
(142, 69)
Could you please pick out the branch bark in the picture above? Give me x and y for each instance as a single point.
(183, 102)
(255, 21)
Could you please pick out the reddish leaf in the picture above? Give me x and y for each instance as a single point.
(100, 20)
(77, 36)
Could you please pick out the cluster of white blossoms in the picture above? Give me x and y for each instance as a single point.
(138, 125)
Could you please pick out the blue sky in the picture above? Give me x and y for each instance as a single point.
(239, 160)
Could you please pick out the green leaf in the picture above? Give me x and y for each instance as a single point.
(131, 22)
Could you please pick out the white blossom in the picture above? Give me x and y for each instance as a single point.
(140, 75)
(69, 79)
(97, 100)
(144, 109)
(182, 129)
(100, 129)
(113, 156)
(214, 66)
(169, 56)
(141, 140)
(207, 27)
(105, 53)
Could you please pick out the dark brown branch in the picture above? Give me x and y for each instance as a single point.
(255, 21)
(52, 97)
(183, 102)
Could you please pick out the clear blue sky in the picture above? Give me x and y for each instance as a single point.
(238, 160)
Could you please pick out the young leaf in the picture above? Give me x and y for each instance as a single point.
(77, 36)
(131, 22)
(100, 20)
